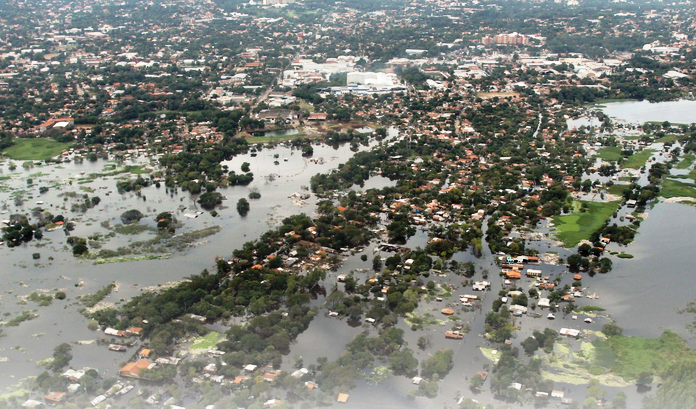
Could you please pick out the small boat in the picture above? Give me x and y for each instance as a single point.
(117, 348)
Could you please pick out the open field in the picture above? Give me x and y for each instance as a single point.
(638, 160)
(207, 341)
(673, 188)
(669, 138)
(35, 149)
(577, 226)
(610, 153)
(618, 189)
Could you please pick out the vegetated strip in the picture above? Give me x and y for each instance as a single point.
(90, 300)
(672, 188)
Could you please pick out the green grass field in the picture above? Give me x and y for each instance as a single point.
(618, 189)
(686, 161)
(207, 341)
(35, 149)
(610, 153)
(577, 226)
(674, 188)
(633, 355)
(638, 160)
(669, 138)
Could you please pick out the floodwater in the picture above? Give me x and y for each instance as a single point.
(651, 287)
(282, 132)
(638, 112)
(641, 294)
(678, 112)
(34, 340)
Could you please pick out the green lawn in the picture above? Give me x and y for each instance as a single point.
(136, 169)
(35, 149)
(669, 138)
(577, 226)
(618, 189)
(610, 153)
(638, 160)
(673, 188)
(686, 161)
(207, 341)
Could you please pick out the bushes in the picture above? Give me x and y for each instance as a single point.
(243, 207)
(439, 363)
(131, 216)
(209, 200)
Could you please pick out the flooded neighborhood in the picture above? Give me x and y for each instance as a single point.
(286, 204)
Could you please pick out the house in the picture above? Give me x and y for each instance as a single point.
(280, 115)
(518, 310)
(56, 122)
(300, 373)
(114, 332)
(569, 332)
(544, 302)
(557, 394)
(416, 380)
(513, 275)
(317, 116)
(533, 273)
(272, 402)
(342, 398)
(132, 369)
(73, 375)
(31, 403)
(454, 335)
(239, 379)
(55, 396)
(250, 368)
(481, 285)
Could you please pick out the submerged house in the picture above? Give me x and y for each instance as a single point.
(133, 369)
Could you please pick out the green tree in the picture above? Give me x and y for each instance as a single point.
(476, 382)
(619, 401)
(243, 207)
(403, 362)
